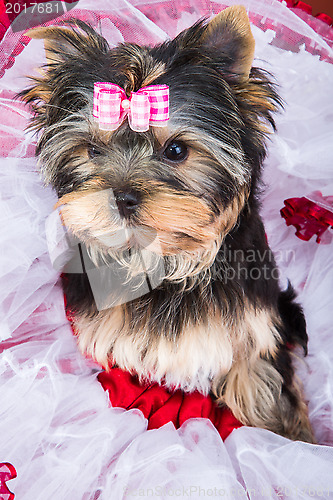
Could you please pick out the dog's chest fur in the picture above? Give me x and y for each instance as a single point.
(183, 351)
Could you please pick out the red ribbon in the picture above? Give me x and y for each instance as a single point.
(7, 472)
(159, 405)
(308, 218)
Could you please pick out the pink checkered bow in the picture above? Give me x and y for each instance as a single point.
(147, 106)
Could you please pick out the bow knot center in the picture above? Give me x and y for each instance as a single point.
(125, 104)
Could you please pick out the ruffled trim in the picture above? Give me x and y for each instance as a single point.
(160, 406)
(300, 8)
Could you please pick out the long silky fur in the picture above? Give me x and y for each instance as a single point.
(197, 328)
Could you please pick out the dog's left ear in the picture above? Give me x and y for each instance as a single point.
(230, 33)
(62, 42)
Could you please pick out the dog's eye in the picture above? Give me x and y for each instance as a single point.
(176, 151)
(93, 152)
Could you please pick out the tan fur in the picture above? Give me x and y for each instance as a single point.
(253, 392)
(40, 91)
(168, 212)
(250, 391)
(256, 96)
(234, 20)
(204, 148)
(49, 35)
(88, 216)
(155, 72)
(162, 134)
(139, 62)
(199, 355)
(52, 35)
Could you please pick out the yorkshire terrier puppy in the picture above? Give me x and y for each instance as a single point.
(166, 212)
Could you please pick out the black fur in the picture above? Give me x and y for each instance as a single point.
(216, 104)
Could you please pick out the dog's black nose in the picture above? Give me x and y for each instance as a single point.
(127, 202)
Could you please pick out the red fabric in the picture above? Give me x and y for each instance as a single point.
(325, 18)
(4, 19)
(7, 472)
(308, 218)
(304, 6)
(308, 9)
(160, 405)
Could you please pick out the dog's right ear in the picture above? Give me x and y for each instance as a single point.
(70, 49)
(62, 43)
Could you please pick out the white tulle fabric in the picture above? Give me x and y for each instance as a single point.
(56, 426)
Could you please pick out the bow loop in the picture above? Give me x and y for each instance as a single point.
(147, 106)
(139, 112)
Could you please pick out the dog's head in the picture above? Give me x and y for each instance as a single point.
(177, 189)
